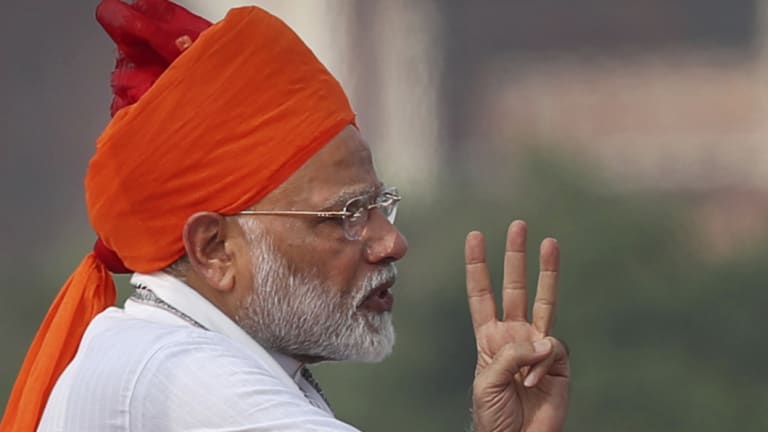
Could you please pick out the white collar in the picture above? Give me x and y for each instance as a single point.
(186, 299)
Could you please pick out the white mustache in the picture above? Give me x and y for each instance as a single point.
(376, 279)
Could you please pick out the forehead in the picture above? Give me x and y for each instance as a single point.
(340, 170)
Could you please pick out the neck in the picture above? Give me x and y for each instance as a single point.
(224, 301)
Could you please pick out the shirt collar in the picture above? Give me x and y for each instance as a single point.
(186, 299)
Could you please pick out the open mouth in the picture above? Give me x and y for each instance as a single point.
(380, 299)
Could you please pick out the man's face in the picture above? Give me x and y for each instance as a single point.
(314, 293)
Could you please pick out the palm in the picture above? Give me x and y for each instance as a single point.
(537, 406)
(502, 400)
(494, 335)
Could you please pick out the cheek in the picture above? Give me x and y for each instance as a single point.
(323, 251)
(244, 280)
(342, 265)
(337, 263)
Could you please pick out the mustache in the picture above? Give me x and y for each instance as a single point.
(384, 275)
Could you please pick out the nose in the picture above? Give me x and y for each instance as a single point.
(383, 241)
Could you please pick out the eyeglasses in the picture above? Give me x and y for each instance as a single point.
(354, 215)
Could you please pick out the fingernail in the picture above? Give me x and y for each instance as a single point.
(541, 346)
(530, 380)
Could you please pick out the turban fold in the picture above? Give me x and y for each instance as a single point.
(235, 115)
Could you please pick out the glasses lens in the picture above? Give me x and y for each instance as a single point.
(356, 217)
(388, 205)
(358, 211)
(388, 201)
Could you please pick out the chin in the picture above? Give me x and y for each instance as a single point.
(376, 346)
(377, 359)
(362, 354)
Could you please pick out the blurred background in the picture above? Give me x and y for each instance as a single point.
(634, 132)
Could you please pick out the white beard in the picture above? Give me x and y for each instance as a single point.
(296, 314)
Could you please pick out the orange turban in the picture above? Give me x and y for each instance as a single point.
(231, 119)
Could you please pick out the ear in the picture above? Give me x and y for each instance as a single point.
(206, 240)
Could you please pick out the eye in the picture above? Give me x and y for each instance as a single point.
(330, 220)
(356, 209)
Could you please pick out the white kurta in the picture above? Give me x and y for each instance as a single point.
(142, 368)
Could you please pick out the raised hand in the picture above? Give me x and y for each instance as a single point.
(522, 373)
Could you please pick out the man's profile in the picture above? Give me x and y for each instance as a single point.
(235, 185)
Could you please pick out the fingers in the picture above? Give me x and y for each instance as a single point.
(555, 364)
(514, 290)
(482, 307)
(510, 360)
(546, 291)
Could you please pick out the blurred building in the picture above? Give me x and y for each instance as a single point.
(666, 95)
(656, 96)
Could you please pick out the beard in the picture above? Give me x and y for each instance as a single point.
(297, 314)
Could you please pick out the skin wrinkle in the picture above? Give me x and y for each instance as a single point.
(294, 313)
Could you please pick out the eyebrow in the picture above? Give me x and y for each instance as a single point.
(353, 192)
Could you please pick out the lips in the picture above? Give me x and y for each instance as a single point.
(380, 299)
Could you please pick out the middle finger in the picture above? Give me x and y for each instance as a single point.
(514, 290)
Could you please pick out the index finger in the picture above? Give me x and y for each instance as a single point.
(546, 292)
(482, 306)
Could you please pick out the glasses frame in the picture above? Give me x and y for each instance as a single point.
(391, 195)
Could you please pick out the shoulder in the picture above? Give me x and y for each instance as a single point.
(203, 364)
(149, 376)
(114, 357)
(204, 353)
(206, 381)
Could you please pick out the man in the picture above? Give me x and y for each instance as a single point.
(238, 189)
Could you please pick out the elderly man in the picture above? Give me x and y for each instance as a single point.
(238, 189)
